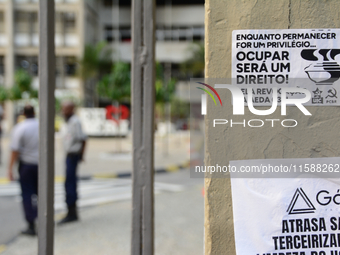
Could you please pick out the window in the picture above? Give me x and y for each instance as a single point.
(179, 33)
(198, 33)
(35, 24)
(69, 22)
(70, 66)
(25, 22)
(179, 2)
(66, 66)
(28, 63)
(65, 22)
(2, 22)
(109, 3)
(22, 22)
(2, 65)
(108, 33)
(124, 33)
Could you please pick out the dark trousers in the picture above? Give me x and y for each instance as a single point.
(29, 187)
(71, 178)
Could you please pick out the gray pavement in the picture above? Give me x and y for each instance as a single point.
(105, 203)
(106, 228)
(109, 155)
(11, 219)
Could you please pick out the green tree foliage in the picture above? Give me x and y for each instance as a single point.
(34, 93)
(22, 84)
(23, 80)
(57, 105)
(4, 94)
(15, 93)
(116, 85)
(180, 109)
(164, 91)
(96, 60)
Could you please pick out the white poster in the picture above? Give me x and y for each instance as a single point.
(286, 216)
(307, 58)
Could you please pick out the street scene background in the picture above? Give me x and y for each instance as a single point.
(105, 202)
(93, 41)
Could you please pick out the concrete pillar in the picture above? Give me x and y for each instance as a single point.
(223, 145)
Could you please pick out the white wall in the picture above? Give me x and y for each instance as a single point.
(176, 15)
(180, 15)
(175, 52)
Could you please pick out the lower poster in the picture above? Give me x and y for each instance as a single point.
(286, 216)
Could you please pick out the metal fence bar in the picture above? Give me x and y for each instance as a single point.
(46, 125)
(143, 94)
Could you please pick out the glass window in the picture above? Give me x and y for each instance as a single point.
(109, 3)
(70, 22)
(198, 33)
(125, 33)
(108, 33)
(28, 63)
(2, 22)
(2, 65)
(179, 33)
(66, 66)
(22, 22)
(35, 24)
(70, 66)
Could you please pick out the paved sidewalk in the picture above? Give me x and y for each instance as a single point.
(109, 157)
(105, 204)
(91, 192)
(106, 229)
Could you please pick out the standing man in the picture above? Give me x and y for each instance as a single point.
(25, 150)
(74, 144)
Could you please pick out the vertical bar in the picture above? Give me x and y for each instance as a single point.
(9, 62)
(46, 125)
(143, 94)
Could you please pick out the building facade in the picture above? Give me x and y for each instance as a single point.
(82, 22)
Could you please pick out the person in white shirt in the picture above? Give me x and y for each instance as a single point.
(25, 150)
(74, 141)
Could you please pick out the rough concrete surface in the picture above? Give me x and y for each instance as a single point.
(106, 229)
(315, 136)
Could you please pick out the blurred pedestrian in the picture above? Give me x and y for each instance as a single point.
(25, 150)
(74, 141)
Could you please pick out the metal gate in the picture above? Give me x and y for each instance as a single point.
(143, 15)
